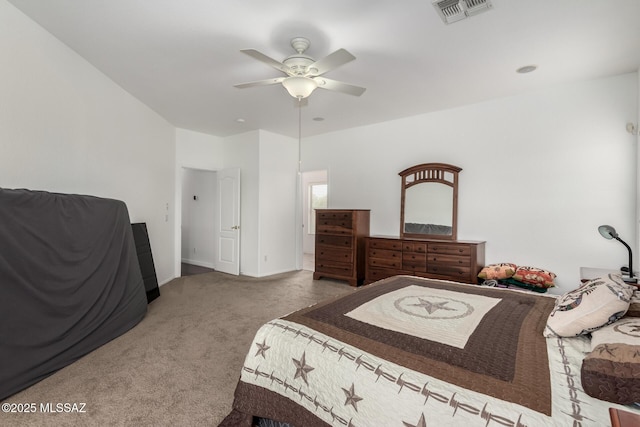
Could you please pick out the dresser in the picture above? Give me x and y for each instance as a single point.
(457, 260)
(340, 244)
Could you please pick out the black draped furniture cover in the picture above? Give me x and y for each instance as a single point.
(69, 281)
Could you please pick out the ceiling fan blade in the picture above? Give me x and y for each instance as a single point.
(329, 84)
(265, 82)
(329, 62)
(267, 60)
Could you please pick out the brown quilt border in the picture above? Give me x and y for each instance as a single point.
(506, 357)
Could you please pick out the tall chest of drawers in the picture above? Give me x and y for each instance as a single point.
(340, 244)
(457, 260)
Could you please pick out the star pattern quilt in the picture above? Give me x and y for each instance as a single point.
(408, 351)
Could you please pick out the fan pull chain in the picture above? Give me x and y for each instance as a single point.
(299, 135)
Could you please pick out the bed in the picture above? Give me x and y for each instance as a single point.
(408, 351)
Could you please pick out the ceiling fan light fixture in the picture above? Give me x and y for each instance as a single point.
(299, 87)
(303, 72)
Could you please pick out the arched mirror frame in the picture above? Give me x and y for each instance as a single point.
(435, 173)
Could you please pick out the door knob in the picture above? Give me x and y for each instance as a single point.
(235, 227)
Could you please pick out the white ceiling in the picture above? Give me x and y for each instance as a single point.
(182, 57)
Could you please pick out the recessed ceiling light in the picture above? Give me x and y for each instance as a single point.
(526, 69)
(318, 119)
(240, 120)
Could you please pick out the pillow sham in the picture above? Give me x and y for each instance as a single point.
(593, 305)
(502, 270)
(624, 331)
(611, 372)
(535, 276)
(634, 305)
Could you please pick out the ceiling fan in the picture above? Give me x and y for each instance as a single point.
(303, 73)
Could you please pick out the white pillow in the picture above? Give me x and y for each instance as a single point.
(624, 331)
(593, 305)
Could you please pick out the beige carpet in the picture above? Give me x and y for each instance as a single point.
(179, 366)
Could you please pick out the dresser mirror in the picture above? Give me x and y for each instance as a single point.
(429, 201)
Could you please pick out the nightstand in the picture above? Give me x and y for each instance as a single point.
(623, 418)
(588, 273)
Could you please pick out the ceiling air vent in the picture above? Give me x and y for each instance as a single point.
(454, 10)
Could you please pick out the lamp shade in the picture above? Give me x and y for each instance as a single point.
(608, 232)
(299, 87)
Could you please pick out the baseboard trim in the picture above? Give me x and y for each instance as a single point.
(198, 263)
(271, 273)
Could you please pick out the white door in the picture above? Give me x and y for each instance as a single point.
(228, 260)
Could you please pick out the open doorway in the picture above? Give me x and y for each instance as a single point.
(199, 209)
(209, 220)
(314, 196)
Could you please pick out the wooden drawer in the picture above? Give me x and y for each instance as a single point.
(334, 228)
(414, 247)
(333, 253)
(332, 222)
(345, 223)
(453, 271)
(414, 261)
(385, 262)
(384, 253)
(330, 240)
(449, 249)
(334, 268)
(394, 245)
(334, 215)
(450, 259)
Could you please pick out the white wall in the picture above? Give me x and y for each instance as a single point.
(541, 171)
(243, 151)
(65, 127)
(277, 203)
(197, 150)
(267, 163)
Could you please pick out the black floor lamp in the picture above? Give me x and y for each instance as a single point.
(608, 232)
